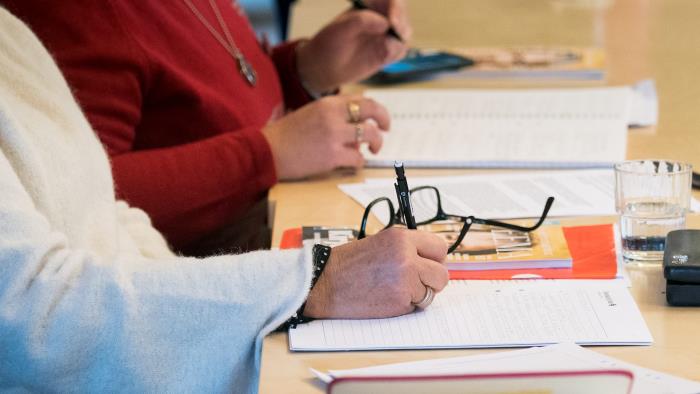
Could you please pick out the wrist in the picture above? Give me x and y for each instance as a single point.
(310, 75)
(272, 136)
(308, 311)
(317, 301)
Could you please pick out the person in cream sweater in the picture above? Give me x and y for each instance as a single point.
(92, 298)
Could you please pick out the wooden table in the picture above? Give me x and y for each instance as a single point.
(642, 39)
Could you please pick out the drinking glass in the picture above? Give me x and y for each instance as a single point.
(652, 198)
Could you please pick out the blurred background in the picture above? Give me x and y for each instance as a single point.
(269, 17)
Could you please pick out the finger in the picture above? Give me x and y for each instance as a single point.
(418, 292)
(395, 50)
(432, 274)
(367, 21)
(398, 18)
(349, 157)
(429, 245)
(370, 109)
(372, 136)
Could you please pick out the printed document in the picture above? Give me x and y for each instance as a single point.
(504, 196)
(562, 357)
(473, 314)
(534, 128)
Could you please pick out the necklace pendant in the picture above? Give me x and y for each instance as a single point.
(247, 70)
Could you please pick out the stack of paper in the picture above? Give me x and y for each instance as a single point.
(555, 358)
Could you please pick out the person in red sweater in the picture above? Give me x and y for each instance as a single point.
(199, 118)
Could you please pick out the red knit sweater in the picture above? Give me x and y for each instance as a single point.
(180, 123)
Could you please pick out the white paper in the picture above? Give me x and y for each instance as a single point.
(644, 108)
(503, 196)
(505, 128)
(562, 357)
(471, 314)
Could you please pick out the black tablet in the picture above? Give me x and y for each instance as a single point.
(419, 65)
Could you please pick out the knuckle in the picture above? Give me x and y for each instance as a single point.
(337, 152)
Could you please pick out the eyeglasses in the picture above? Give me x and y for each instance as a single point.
(430, 211)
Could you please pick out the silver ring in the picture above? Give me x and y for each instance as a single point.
(353, 112)
(427, 300)
(359, 132)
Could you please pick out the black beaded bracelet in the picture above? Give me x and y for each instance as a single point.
(320, 255)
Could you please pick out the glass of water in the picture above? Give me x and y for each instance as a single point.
(652, 198)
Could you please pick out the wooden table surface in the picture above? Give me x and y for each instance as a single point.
(642, 39)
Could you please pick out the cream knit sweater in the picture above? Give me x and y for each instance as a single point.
(91, 298)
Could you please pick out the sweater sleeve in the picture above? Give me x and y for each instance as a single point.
(285, 59)
(205, 184)
(73, 321)
(202, 184)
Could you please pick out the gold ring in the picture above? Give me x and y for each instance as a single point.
(427, 300)
(353, 112)
(359, 132)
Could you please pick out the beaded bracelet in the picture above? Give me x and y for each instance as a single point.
(320, 255)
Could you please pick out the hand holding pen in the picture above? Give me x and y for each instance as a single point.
(360, 5)
(355, 45)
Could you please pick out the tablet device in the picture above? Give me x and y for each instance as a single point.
(419, 65)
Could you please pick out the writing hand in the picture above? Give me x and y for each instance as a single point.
(379, 276)
(354, 46)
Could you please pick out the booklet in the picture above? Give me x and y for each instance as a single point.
(484, 248)
(534, 62)
(494, 248)
(594, 253)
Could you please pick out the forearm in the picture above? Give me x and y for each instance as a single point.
(75, 320)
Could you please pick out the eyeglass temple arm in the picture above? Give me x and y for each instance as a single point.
(468, 221)
(365, 216)
(510, 226)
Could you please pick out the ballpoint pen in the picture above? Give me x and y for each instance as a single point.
(404, 196)
(360, 5)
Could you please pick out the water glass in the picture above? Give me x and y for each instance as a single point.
(652, 198)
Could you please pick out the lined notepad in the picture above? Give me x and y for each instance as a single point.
(472, 314)
(534, 128)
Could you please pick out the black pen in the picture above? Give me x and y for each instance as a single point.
(360, 5)
(404, 196)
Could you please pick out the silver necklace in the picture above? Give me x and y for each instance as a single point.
(244, 67)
